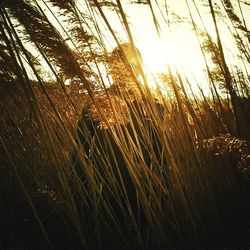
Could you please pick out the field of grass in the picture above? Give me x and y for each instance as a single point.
(95, 165)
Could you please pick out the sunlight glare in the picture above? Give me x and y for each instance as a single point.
(157, 55)
(175, 51)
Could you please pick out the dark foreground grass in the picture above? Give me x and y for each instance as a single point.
(203, 203)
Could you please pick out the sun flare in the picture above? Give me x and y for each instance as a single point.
(158, 54)
(171, 51)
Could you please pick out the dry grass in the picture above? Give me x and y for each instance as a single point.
(159, 172)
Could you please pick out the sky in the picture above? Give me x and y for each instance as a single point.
(178, 45)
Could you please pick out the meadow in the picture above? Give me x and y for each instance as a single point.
(93, 157)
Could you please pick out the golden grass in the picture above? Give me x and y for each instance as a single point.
(159, 172)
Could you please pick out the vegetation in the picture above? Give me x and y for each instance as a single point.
(83, 166)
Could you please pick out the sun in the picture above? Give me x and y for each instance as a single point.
(153, 59)
(173, 51)
(158, 55)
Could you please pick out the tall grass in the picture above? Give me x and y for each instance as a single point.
(122, 167)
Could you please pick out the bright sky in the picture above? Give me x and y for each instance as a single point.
(178, 44)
